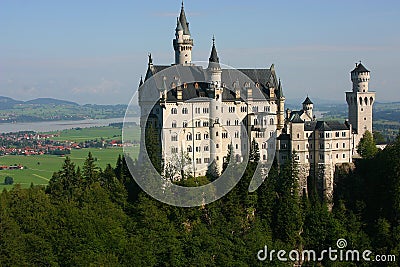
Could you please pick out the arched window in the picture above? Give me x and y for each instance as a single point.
(184, 124)
(361, 101)
(174, 137)
(366, 101)
(173, 124)
(198, 136)
(189, 148)
(189, 137)
(271, 121)
(206, 135)
(174, 111)
(371, 100)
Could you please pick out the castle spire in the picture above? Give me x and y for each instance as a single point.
(214, 55)
(183, 20)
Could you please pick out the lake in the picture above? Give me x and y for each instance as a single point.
(47, 126)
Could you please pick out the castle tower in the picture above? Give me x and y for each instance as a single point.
(360, 102)
(308, 107)
(182, 43)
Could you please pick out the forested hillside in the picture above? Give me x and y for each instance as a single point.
(93, 217)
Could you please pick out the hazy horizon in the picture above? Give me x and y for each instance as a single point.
(96, 53)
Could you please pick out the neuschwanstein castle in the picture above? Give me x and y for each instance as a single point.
(205, 118)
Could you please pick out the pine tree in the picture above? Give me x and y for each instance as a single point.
(366, 147)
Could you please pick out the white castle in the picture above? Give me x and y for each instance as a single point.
(205, 119)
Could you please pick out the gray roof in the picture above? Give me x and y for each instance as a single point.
(296, 118)
(183, 20)
(325, 126)
(214, 56)
(360, 68)
(265, 78)
(307, 101)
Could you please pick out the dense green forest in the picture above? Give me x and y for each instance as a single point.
(94, 217)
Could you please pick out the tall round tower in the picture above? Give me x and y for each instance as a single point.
(182, 43)
(360, 102)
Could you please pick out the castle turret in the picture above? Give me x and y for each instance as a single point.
(214, 69)
(308, 107)
(182, 43)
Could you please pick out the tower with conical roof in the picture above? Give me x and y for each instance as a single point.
(308, 107)
(360, 102)
(182, 43)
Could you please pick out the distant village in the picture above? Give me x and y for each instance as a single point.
(31, 143)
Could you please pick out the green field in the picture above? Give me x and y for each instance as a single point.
(39, 169)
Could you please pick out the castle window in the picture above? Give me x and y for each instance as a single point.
(184, 124)
(205, 110)
(307, 145)
(174, 111)
(198, 161)
(237, 146)
(205, 148)
(264, 157)
(344, 145)
(236, 122)
(327, 135)
(189, 149)
(198, 149)
(224, 135)
(217, 158)
(337, 145)
(337, 134)
(216, 145)
(237, 134)
(206, 135)
(321, 156)
(228, 122)
(216, 133)
(231, 109)
(184, 111)
(343, 134)
(321, 135)
(344, 156)
(206, 160)
(174, 124)
(189, 137)
(198, 123)
(205, 123)
(197, 110)
(298, 135)
(271, 121)
(298, 147)
(174, 150)
(198, 136)
(174, 137)
(337, 156)
(321, 146)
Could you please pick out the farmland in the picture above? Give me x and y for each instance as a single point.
(38, 169)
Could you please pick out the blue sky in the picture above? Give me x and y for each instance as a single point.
(95, 51)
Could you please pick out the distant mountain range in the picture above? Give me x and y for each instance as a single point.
(8, 102)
